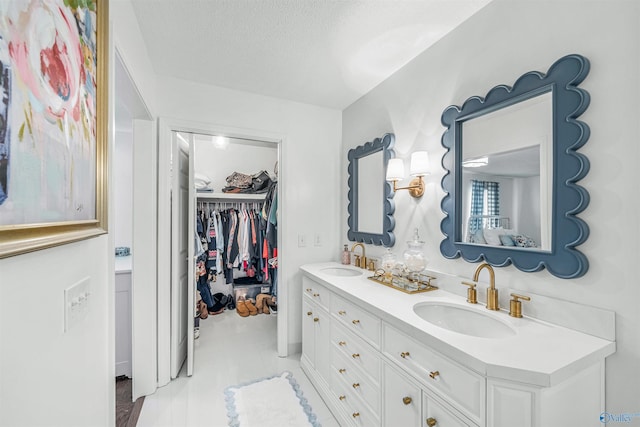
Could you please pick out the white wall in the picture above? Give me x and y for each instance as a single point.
(309, 173)
(496, 46)
(49, 377)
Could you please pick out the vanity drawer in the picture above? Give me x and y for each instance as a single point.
(316, 292)
(357, 320)
(446, 378)
(358, 413)
(355, 349)
(441, 416)
(346, 374)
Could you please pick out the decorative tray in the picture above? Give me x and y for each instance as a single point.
(411, 285)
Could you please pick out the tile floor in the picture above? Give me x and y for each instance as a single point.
(230, 350)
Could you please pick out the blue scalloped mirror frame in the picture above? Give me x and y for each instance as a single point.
(355, 155)
(568, 199)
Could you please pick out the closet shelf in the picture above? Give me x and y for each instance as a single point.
(231, 196)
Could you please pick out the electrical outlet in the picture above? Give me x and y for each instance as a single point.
(302, 240)
(317, 240)
(76, 303)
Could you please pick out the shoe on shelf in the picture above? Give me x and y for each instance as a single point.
(253, 310)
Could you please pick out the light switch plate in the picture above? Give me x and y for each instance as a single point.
(77, 298)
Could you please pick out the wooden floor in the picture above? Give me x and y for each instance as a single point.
(127, 412)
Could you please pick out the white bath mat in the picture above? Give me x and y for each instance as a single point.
(269, 402)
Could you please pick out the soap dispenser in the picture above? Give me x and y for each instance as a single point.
(346, 256)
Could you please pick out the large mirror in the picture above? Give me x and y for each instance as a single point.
(511, 192)
(371, 204)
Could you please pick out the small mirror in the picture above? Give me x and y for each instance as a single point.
(511, 192)
(371, 204)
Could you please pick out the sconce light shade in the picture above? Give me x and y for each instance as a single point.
(419, 163)
(395, 170)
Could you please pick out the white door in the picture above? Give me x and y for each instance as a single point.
(181, 240)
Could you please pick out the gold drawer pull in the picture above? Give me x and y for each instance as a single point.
(308, 289)
(316, 295)
(342, 343)
(316, 319)
(342, 312)
(355, 355)
(407, 400)
(343, 397)
(356, 385)
(355, 414)
(404, 354)
(431, 422)
(355, 322)
(342, 370)
(434, 374)
(309, 313)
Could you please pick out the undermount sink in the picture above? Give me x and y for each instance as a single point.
(463, 320)
(341, 271)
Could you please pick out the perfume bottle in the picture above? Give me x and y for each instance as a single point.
(346, 256)
(414, 259)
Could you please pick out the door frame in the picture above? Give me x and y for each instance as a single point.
(143, 279)
(166, 126)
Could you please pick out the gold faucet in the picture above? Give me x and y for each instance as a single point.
(361, 261)
(492, 292)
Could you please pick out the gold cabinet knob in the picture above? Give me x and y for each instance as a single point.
(342, 370)
(308, 289)
(355, 355)
(342, 343)
(434, 374)
(404, 354)
(356, 385)
(355, 322)
(309, 313)
(342, 312)
(343, 397)
(431, 422)
(316, 295)
(407, 400)
(316, 319)
(355, 414)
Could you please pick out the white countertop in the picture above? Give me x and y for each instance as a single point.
(539, 353)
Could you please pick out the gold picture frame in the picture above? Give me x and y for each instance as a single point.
(53, 123)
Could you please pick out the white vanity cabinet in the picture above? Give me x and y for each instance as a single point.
(316, 324)
(376, 364)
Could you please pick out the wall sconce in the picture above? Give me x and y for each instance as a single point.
(419, 168)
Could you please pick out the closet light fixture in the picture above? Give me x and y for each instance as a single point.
(220, 142)
(418, 169)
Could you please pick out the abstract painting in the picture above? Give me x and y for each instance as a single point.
(52, 122)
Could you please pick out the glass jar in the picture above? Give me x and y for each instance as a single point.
(414, 259)
(387, 263)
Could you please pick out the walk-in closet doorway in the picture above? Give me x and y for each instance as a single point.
(197, 155)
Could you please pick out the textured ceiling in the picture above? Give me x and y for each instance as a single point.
(321, 52)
